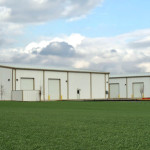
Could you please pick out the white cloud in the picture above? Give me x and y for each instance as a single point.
(1, 1)
(145, 66)
(74, 39)
(40, 1)
(81, 64)
(36, 46)
(36, 11)
(15, 15)
(113, 54)
(8, 34)
(10, 29)
(128, 52)
(4, 13)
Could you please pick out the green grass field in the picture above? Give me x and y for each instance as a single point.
(75, 126)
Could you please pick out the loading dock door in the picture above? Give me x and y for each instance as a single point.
(27, 84)
(53, 89)
(138, 90)
(114, 90)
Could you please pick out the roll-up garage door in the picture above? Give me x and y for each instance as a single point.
(114, 90)
(138, 90)
(53, 89)
(27, 84)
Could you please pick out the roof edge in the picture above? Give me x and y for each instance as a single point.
(59, 70)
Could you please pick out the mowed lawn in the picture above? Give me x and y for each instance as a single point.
(74, 125)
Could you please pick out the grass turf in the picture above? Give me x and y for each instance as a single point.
(74, 125)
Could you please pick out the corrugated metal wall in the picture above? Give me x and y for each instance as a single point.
(98, 86)
(122, 86)
(62, 76)
(17, 95)
(36, 75)
(114, 90)
(5, 83)
(73, 85)
(79, 81)
(31, 95)
(126, 86)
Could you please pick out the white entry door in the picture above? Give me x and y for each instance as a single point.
(53, 89)
(138, 90)
(114, 90)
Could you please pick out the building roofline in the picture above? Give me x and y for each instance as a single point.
(50, 69)
(130, 76)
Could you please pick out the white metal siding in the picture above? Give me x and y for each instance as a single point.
(122, 86)
(11, 79)
(36, 75)
(21, 95)
(5, 83)
(145, 80)
(138, 89)
(98, 86)
(129, 93)
(17, 95)
(54, 89)
(31, 95)
(114, 90)
(79, 81)
(27, 84)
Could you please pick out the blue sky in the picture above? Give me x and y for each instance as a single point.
(104, 35)
(110, 19)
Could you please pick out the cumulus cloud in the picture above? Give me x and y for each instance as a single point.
(140, 44)
(128, 52)
(15, 15)
(145, 66)
(64, 44)
(36, 11)
(113, 54)
(4, 13)
(4, 42)
(59, 49)
(113, 51)
(8, 33)
(81, 64)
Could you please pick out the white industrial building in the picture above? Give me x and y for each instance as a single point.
(130, 86)
(23, 83)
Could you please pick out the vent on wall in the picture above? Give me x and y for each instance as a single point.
(107, 92)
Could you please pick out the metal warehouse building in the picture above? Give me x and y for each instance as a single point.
(130, 86)
(23, 83)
